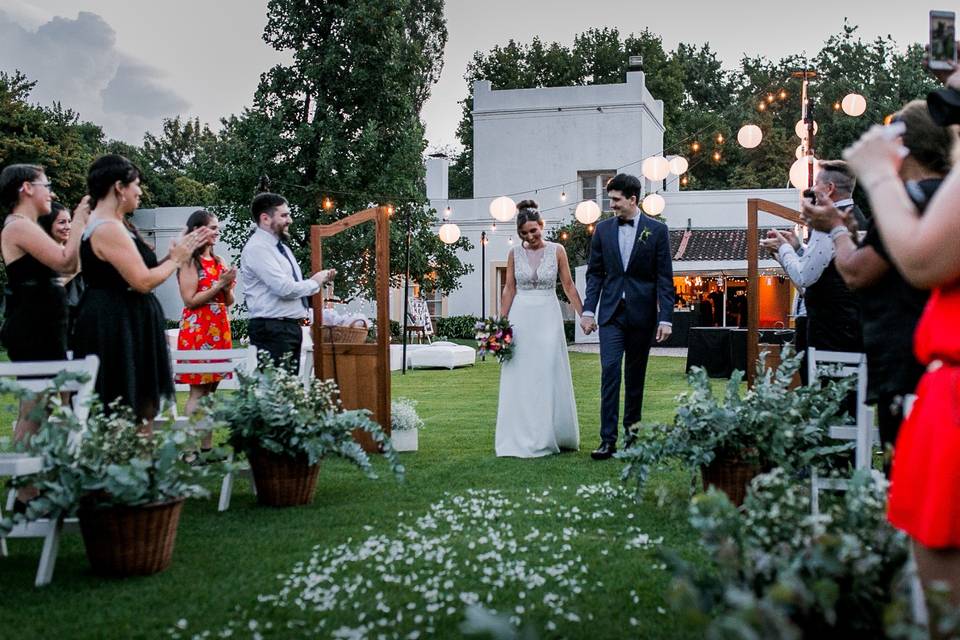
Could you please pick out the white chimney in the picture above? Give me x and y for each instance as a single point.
(438, 176)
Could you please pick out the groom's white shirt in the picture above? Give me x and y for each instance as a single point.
(627, 237)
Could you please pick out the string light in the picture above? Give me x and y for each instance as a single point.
(695, 147)
(510, 240)
(447, 212)
(589, 228)
(762, 106)
(719, 138)
(716, 156)
(493, 227)
(327, 203)
(684, 181)
(390, 209)
(563, 196)
(769, 97)
(783, 94)
(564, 235)
(836, 106)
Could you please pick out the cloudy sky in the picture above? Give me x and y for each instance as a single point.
(127, 64)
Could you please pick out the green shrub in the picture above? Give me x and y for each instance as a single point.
(460, 327)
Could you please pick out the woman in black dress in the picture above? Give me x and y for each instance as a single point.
(58, 225)
(35, 317)
(119, 319)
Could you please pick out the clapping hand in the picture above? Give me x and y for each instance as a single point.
(182, 251)
(877, 155)
(774, 240)
(228, 278)
(81, 213)
(824, 215)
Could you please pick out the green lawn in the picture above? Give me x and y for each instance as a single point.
(545, 540)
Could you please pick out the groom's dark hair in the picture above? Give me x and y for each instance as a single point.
(629, 186)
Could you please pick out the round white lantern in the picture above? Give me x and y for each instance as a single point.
(799, 172)
(503, 209)
(587, 212)
(656, 168)
(449, 233)
(749, 136)
(799, 152)
(801, 129)
(654, 204)
(679, 165)
(854, 104)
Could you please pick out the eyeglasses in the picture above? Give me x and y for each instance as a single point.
(47, 185)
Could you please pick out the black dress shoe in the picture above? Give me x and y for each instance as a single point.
(604, 451)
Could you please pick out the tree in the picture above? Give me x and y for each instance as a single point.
(53, 137)
(342, 121)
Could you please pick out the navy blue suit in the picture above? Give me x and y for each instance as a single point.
(632, 302)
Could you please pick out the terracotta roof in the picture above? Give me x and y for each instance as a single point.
(709, 244)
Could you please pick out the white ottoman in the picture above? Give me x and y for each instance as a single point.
(445, 355)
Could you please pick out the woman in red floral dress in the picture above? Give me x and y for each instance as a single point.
(206, 287)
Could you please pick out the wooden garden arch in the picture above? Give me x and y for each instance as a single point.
(362, 370)
(754, 206)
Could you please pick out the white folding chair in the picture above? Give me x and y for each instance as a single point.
(222, 361)
(841, 364)
(13, 465)
(306, 356)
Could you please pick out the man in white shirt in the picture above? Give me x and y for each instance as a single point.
(277, 296)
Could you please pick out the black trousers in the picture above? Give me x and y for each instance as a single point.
(280, 337)
(629, 347)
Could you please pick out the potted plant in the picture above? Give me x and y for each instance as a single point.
(405, 424)
(730, 438)
(125, 486)
(285, 428)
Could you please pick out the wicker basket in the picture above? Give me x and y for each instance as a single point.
(282, 481)
(731, 477)
(130, 541)
(339, 334)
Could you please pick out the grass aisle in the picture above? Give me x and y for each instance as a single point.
(523, 537)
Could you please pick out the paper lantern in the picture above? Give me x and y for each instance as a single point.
(449, 233)
(799, 172)
(503, 209)
(587, 212)
(679, 165)
(854, 104)
(801, 129)
(654, 204)
(656, 168)
(749, 136)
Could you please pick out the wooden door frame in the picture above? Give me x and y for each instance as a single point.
(754, 206)
(381, 217)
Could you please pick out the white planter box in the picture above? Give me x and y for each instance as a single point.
(405, 440)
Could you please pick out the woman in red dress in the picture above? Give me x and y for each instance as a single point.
(206, 287)
(924, 498)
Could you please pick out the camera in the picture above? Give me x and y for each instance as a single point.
(810, 195)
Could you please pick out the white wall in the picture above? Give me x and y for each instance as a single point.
(529, 138)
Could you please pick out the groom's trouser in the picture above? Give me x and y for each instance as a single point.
(617, 339)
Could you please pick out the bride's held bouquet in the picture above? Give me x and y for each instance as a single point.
(495, 336)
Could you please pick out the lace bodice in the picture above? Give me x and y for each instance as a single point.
(544, 277)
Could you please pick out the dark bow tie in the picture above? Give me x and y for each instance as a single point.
(623, 221)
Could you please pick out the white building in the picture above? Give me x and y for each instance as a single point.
(558, 146)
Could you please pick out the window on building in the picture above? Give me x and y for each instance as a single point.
(433, 299)
(593, 186)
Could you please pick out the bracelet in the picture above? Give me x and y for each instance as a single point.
(838, 231)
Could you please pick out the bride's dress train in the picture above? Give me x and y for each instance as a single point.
(536, 414)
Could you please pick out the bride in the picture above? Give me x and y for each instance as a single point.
(536, 415)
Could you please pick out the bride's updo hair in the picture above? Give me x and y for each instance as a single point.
(528, 211)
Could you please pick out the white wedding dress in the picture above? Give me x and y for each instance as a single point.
(536, 415)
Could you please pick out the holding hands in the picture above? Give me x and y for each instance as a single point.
(588, 324)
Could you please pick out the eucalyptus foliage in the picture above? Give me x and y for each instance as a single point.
(111, 462)
(768, 425)
(273, 410)
(778, 572)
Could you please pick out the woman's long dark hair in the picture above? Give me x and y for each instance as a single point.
(197, 219)
(104, 173)
(46, 221)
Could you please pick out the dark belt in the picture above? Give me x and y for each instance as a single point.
(287, 320)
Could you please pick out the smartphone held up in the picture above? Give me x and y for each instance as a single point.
(943, 40)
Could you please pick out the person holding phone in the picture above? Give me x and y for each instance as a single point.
(206, 287)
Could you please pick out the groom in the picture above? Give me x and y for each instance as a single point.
(630, 273)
